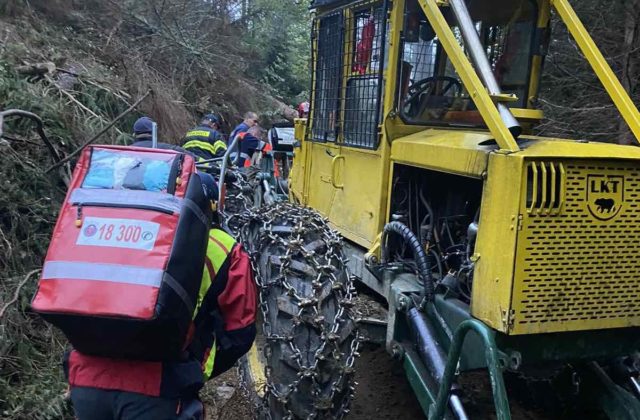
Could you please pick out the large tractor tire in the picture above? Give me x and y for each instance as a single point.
(302, 364)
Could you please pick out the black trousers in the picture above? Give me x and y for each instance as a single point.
(100, 404)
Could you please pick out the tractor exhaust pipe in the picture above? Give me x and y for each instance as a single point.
(481, 62)
(433, 356)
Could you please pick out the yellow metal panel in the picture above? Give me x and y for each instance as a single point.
(312, 100)
(360, 177)
(527, 114)
(256, 370)
(298, 171)
(321, 193)
(600, 66)
(577, 269)
(393, 51)
(549, 147)
(468, 75)
(544, 16)
(496, 243)
(458, 152)
(358, 206)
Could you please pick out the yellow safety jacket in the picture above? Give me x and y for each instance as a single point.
(218, 252)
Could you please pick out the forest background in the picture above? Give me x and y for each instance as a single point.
(80, 63)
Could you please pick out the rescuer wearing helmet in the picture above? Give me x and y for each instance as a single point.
(205, 141)
(223, 330)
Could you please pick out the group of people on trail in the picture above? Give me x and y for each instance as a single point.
(103, 388)
(207, 142)
(108, 381)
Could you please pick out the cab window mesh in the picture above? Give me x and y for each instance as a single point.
(364, 83)
(327, 77)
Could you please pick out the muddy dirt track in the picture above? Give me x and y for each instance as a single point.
(382, 392)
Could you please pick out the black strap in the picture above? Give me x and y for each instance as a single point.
(179, 290)
(191, 205)
(174, 173)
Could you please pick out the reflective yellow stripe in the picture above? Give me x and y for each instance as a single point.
(198, 133)
(219, 145)
(197, 144)
(204, 288)
(208, 364)
(218, 248)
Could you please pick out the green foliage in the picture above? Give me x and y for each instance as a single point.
(31, 383)
(279, 32)
(194, 62)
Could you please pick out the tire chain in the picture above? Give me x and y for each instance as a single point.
(238, 204)
(302, 221)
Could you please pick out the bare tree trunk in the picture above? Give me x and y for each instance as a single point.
(630, 52)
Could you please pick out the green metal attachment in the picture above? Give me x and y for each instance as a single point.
(423, 386)
(493, 363)
(598, 389)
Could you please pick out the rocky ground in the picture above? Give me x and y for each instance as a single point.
(382, 392)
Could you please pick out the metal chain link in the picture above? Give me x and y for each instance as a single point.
(262, 228)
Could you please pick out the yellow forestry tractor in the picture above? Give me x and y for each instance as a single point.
(495, 250)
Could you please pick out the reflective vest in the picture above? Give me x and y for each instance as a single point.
(218, 251)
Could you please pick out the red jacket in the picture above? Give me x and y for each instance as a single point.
(228, 312)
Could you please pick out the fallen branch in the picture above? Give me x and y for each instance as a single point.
(10, 138)
(39, 128)
(104, 130)
(72, 98)
(17, 292)
(38, 69)
(97, 83)
(76, 101)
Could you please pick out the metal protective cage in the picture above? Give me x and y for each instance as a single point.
(365, 77)
(347, 84)
(327, 76)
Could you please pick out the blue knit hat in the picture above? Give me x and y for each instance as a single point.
(143, 125)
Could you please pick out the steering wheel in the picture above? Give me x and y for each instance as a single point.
(427, 86)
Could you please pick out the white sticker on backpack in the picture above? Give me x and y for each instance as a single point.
(118, 233)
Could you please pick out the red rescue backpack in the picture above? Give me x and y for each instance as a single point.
(122, 274)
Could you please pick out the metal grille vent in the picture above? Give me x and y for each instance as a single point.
(545, 187)
(579, 267)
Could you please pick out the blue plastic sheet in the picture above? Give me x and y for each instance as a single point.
(121, 170)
